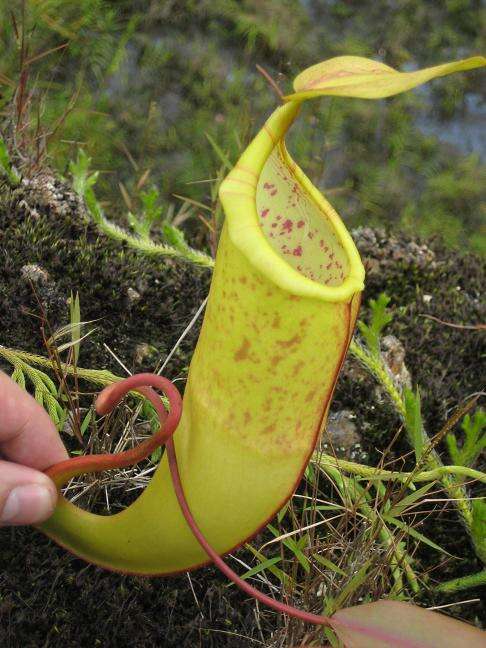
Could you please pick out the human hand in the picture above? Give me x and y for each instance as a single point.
(30, 443)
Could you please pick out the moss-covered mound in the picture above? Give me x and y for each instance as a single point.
(51, 249)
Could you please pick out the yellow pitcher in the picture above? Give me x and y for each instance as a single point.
(281, 312)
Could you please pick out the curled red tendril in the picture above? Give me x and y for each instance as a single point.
(145, 383)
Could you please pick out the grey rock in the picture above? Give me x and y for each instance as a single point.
(393, 353)
(381, 251)
(133, 296)
(341, 434)
(143, 352)
(35, 273)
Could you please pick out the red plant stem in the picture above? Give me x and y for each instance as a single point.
(219, 562)
(106, 401)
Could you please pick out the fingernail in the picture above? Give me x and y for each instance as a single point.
(28, 504)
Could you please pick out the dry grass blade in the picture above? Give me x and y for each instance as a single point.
(468, 327)
(272, 83)
(37, 57)
(7, 81)
(196, 203)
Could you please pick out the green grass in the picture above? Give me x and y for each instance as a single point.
(142, 91)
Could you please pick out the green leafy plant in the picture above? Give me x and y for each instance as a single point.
(150, 214)
(176, 246)
(413, 421)
(408, 407)
(379, 319)
(6, 164)
(474, 440)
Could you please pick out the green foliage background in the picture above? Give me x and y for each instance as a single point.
(154, 77)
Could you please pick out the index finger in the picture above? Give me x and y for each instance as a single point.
(27, 434)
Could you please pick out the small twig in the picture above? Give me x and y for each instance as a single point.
(273, 84)
(194, 595)
(182, 336)
(468, 327)
(117, 359)
(441, 607)
(37, 57)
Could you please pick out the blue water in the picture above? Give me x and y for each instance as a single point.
(465, 132)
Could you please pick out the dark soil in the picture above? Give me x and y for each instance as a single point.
(135, 300)
(49, 598)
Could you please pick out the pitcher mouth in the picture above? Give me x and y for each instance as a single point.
(282, 223)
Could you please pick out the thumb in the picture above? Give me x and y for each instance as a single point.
(27, 496)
